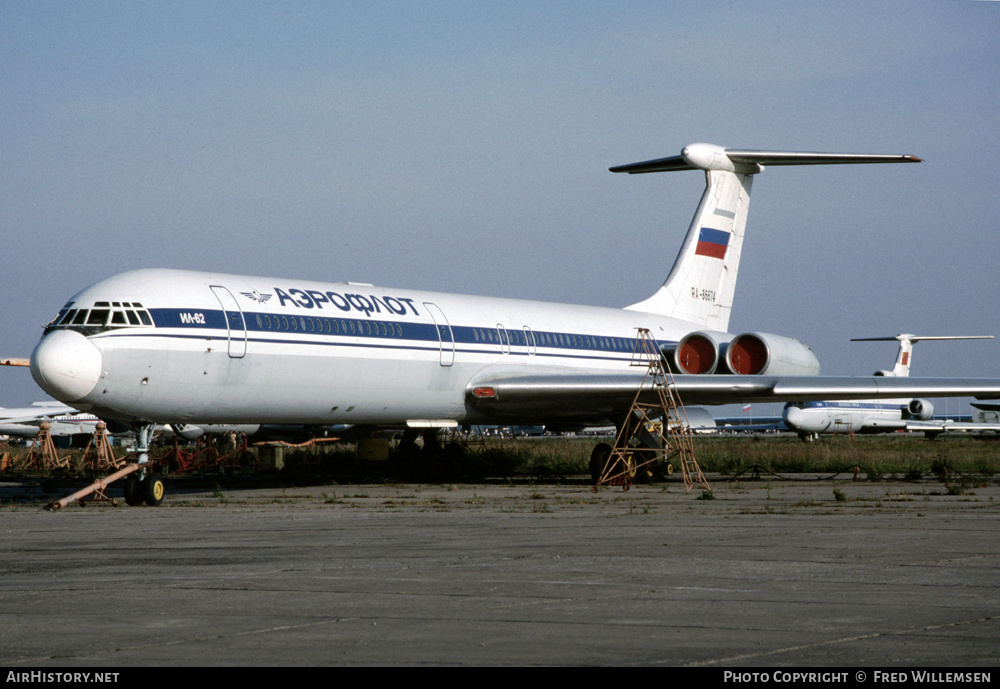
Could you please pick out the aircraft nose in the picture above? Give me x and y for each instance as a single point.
(793, 417)
(66, 365)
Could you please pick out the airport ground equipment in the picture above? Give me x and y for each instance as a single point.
(149, 489)
(98, 454)
(206, 455)
(42, 453)
(651, 432)
(97, 488)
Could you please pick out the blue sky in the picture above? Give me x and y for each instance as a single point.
(464, 147)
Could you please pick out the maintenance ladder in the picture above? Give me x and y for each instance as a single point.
(652, 431)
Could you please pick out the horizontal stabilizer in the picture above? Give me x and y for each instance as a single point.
(711, 157)
(918, 338)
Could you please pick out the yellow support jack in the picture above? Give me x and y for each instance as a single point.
(98, 454)
(42, 453)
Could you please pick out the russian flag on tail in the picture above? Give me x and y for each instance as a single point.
(712, 243)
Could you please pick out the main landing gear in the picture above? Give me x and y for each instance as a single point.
(149, 489)
(432, 462)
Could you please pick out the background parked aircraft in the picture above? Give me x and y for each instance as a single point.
(63, 420)
(809, 419)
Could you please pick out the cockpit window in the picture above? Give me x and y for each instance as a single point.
(103, 316)
(97, 317)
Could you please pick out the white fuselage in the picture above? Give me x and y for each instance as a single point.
(214, 348)
(856, 416)
(170, 346)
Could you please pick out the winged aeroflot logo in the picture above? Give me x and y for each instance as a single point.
(256, 296)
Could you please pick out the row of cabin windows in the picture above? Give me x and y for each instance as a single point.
(500, 336)
(121, 314)
(328, 325)
(545, 339)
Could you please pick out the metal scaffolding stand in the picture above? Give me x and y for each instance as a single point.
(98, 455)
(42, 453)
(652, 431)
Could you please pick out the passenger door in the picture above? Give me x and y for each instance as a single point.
(234, 321)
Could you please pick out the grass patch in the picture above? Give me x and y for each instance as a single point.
(876, 458)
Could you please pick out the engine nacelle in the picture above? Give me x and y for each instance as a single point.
(186, 431)
(190, 432)
(881, 373)
(920, 409)
(763, 353)
(698, 353)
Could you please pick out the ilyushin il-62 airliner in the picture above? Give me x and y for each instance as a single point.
(174, 346)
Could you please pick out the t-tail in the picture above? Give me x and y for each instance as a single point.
(701, 285)
(903, 357)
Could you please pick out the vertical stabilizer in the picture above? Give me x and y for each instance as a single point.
(702, 283)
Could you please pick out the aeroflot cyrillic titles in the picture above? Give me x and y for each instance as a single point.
(366, 304)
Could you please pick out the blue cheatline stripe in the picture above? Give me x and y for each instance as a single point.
(431, 346)
(516, 340)
(856, 406)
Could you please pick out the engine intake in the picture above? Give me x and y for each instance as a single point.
(920, 409)
(698, 353)
(754, 354)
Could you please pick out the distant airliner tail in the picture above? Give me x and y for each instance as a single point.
(701, 285)
(901, 369)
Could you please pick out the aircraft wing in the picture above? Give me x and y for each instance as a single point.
(935, 427)
(581, 394)
(27, 420)
(36, 415)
